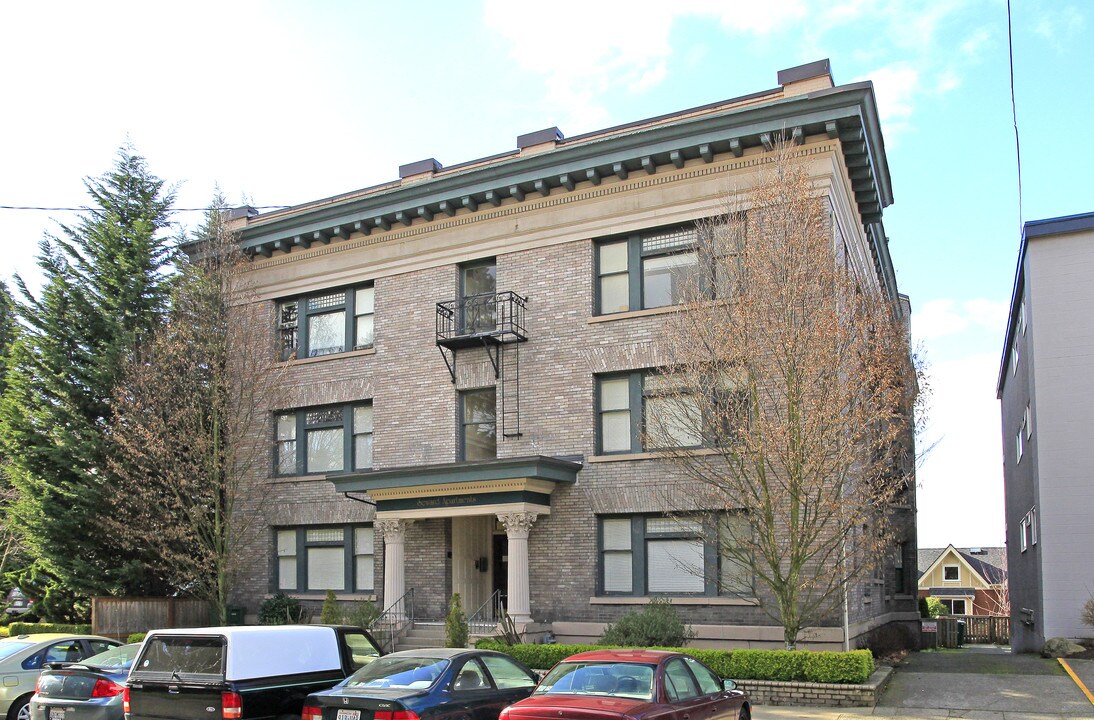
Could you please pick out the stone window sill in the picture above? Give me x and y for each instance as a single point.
(695, 600)
(319, 595)
(326, 358)
(624, 457)
(633, 314)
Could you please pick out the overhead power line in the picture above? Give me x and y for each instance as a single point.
(1014, 115)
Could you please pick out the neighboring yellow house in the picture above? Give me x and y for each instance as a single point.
(968, 581)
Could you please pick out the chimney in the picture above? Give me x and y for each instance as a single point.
(806, 78)
(539, 141)
(420, 170)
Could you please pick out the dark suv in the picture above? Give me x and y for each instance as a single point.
(232, 673)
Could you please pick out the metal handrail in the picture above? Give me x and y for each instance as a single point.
(485, 315)
(394, 620)
(484, 621)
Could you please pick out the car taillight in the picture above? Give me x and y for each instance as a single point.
(125, 700)
(395, 715)
(232, 705)
(311, 712)
(106, 688)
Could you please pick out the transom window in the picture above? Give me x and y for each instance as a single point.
(651, 554)
(646, 270)
(336, 438)
(646, 410)
(323, 324)
(321, 558)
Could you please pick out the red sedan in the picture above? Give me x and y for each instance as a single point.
(631, 685)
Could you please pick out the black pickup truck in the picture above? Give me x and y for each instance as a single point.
(241, 673)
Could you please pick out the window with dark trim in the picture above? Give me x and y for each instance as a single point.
(478, 424)
(645, 270)
(329, 439)
(333, 321)
(324, 557)
(478, 297)
(661, 555)
(644, 409)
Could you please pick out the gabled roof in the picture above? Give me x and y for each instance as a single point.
(987, 563)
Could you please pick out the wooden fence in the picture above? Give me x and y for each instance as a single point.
(979, 630)
(118, 617)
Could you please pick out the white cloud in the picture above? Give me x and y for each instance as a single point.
(972, 45)
(1060, 27)
(945, 317)
(895, 86)
(960, 498)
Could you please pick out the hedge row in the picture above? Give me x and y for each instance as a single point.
(22, 628)
(823, 667)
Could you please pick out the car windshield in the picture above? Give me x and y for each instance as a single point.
(116, 658)
(632, 680)
(398, 672)
(10, 647)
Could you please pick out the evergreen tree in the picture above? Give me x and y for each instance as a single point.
(106, 284)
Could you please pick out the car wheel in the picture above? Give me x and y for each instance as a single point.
(20, 709)
(745, 714)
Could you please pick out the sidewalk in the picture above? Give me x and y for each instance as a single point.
(979, 684)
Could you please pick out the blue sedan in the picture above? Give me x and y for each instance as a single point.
(434, 684)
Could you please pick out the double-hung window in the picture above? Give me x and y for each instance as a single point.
(326, 323)
(478, 424)
(689, 555)
(646, 270)
(321, 558)
(330, 439)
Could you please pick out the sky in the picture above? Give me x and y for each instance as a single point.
(280, 103)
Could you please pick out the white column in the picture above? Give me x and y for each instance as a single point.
(517, 527)
(394, 532)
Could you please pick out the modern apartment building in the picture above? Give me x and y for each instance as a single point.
(1046, 387)
(467, 353)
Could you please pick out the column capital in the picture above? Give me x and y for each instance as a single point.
(518, 524)
(393, 529)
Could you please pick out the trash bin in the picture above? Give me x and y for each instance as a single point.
(235, 614)
(960, 633)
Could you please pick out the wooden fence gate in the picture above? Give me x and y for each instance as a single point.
(979, 630)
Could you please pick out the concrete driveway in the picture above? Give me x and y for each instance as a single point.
(984, 679)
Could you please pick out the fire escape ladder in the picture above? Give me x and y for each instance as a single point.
(509, 385)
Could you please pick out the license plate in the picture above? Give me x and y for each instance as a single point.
(56, 713)
(342, 715)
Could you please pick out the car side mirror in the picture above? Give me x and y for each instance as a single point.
(729, 685)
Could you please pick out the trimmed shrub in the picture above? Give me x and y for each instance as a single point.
(362, 614)
(839, 667)
(767, 664)
(331, 614)
(135, 637)
(658, 624)
(788, 665)
(455, 625)
(22, 628)
(4, 631)
(280, 609)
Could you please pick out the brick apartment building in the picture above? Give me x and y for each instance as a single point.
(464, 348)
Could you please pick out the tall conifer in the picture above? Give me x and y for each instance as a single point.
(105, 290)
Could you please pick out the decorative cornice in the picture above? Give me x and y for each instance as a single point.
(848, 112)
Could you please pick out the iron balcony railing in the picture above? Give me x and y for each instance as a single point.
(497, 317)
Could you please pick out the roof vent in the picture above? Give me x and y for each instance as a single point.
(977, 551)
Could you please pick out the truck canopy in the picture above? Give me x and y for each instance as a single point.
(251, 652)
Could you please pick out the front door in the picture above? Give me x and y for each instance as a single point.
(501, 568)
(471, 560)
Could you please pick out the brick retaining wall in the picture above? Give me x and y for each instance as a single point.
(771, 692)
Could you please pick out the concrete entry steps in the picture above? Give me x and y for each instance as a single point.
(422, 635)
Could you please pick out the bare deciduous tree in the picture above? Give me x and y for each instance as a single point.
(191, 422)
(788, 406)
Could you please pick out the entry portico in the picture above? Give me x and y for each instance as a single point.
(480, 497)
